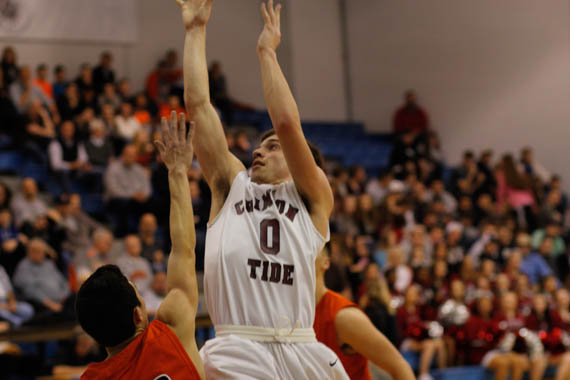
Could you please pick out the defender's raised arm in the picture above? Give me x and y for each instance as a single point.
(179, 308)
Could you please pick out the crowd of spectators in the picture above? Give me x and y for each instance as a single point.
(481, 248)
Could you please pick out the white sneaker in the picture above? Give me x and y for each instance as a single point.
(425, 376)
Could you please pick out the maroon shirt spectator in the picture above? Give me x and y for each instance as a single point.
(410, 117)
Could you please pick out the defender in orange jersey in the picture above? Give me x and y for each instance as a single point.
(110, 309)
(345, 329)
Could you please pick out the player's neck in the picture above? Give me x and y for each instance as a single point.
(112, 351)
(275, 181)
(320, 290)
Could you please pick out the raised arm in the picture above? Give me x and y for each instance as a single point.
(218, 164)
(371, 343)
(309, 179)
(178, 309)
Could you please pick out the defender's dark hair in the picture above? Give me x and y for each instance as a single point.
(317, 155)
(105, 305)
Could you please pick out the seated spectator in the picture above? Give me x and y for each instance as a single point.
(563, 268)
(510, 320)
(70, 104)
(378, 188)
(173, 104)
(39, 130)
(402, 273)
(9, 65)
(135, 268)
(73, 357)
(563, 306)
(142, 113)
(27, 206)
(356, 180)
(145, 148)
(60, 83)
(127, 189)
(532, 167)
(9, 117)
(410, 117)
(125, 91)
(85, 83)
(550, 210)
(109, 96)
(556, 184)
(403, 151)
(467, 179)
(533, 264)
(412, 330)
(242, 148)
(78, 225)
(12, 242)
(103, 74)
(109, 119)
(514, 189)
(485, 167)
(41, 81)
(127, 125)
(156, 293)
(437, 190)
(219, 92)
(23, 93)
(376, 303)
(98, 254)
(99, 148)
(157, 86)
(5, 196)
(68, 158)
(40, 283)
(148, 235)
(482, 335)
(12, 310)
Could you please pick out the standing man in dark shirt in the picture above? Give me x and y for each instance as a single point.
(103, 73)
(410, 117)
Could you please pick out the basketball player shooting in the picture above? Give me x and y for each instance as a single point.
(335, 321)
(265, 230)
(110, 309)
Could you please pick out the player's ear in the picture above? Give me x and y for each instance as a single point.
(326, 263)
(138, 315)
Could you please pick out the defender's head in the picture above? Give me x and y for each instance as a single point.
(269, 165)
(109, 308)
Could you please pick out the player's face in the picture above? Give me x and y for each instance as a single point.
(269, 165)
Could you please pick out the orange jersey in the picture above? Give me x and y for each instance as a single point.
(355, 365)
(156, 354)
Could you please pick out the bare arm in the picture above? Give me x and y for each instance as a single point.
(218, 164)
(178, 309)
(176, 152)
(309, 179)
(371, 343)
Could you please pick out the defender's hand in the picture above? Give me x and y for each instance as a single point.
(195, 12)
(270, 37)
(176, 146)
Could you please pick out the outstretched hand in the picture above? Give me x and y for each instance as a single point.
(176, 146)
(270, 37)
(195, 12)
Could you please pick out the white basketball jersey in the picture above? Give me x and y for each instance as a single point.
(260, 257)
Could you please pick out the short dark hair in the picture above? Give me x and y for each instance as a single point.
(105, 305)
(58, 69)
(317, 155)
